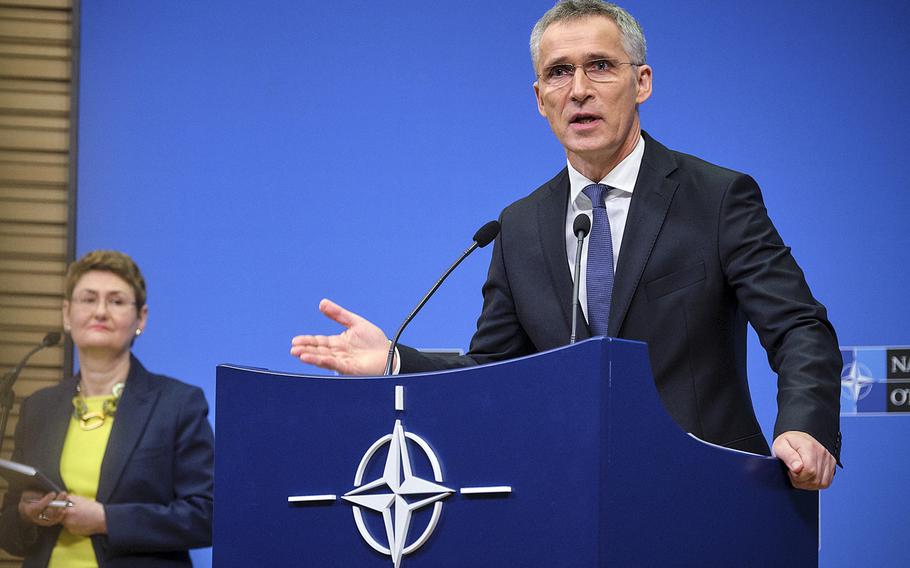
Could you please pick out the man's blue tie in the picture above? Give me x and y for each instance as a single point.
(599, 276)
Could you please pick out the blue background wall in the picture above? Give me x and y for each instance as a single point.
(254, 157)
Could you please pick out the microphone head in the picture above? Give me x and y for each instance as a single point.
(486, 234)
(51, 339)
(582, 224)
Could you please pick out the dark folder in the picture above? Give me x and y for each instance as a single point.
(23, 477)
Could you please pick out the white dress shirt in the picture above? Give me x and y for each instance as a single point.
(622, 178)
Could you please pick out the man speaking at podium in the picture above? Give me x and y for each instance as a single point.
(681, 254)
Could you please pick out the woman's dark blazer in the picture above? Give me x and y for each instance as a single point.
(156, 475)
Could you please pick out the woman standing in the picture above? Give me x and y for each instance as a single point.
(132, 449)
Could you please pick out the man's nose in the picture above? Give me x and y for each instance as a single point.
(581, 85)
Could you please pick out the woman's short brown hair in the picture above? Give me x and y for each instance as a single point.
(112, 261)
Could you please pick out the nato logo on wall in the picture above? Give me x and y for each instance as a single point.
(875, 380)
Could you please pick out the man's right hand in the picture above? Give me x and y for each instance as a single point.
(361, 349)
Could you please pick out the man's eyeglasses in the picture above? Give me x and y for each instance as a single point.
(597, 70)
(89, 303)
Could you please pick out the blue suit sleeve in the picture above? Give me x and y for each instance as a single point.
(186, 521)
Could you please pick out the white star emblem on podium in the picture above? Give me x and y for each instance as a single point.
(398, 492)
(402, 483)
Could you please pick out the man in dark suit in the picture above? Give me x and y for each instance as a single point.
(687, 256)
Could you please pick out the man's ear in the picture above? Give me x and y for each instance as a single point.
(645, 75)
(540, 108)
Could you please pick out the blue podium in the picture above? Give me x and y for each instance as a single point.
(565, 458)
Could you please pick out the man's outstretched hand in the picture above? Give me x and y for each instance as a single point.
(361, 349)
(809, 464)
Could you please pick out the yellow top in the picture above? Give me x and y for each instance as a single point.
(80, 468)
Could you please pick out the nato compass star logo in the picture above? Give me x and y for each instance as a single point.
(401, 485)
(856, 381)
(398, 492)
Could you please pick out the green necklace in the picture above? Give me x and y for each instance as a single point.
(92, 420)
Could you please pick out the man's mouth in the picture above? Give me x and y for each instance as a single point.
(583, 118)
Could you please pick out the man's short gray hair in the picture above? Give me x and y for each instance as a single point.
(633, 38)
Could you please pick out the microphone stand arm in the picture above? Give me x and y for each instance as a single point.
(407, 320)
(578, 249)
(7, 396)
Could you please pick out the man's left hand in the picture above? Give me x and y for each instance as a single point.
(809, 464)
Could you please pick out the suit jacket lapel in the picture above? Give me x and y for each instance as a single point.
(650, 203)
(133, 412)
(551, 216)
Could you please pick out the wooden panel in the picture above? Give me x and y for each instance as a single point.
(34, 178)
(34, 14)
(25, 172)
(25, 67)
(34, 212)
(34, 379)
(56, 194)
(36, 86)
(40, 248)
(25, 156)
(30, 302)
(60, 4)
(30, 283)
(40, 50)
(21, 337)
(34, 122)
(35, 30)
(33, 139)
(49, 358)
(26, 229)
(35, 103)
(32, 318)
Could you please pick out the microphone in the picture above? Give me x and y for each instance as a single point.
(51, 339)
(581, 227)
(482, 238)
(7, 398)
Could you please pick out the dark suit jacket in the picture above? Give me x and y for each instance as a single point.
(699, 259)
(156, 475)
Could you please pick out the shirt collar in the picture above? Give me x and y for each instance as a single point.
(622, 177)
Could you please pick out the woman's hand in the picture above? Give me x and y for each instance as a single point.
(34, 508)
(86, 517)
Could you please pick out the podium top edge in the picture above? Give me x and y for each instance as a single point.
(267, 371)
